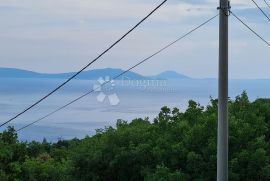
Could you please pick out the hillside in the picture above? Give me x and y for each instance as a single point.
(87, 75)
(170, 75)
(176, 146)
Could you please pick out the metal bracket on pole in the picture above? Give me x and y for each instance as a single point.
(226, 9)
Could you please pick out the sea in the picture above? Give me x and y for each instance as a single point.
(122, 99)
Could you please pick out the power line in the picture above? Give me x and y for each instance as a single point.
(141, 62)
(261, 9)
(253, 31)
(267, 3)
(80, 71)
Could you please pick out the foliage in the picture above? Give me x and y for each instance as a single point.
(175, 146)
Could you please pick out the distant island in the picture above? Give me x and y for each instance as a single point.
(88, 75)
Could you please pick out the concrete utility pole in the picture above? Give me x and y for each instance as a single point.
(222, 145)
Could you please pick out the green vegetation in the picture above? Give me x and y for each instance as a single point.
(176, 146)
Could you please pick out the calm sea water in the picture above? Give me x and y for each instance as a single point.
(137, 99)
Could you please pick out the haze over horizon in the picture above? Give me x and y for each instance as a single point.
(53, 37)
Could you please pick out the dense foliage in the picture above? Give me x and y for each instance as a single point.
(176, 146)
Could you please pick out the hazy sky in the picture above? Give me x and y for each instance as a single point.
(64, 35)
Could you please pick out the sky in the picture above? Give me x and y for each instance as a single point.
(64, 35)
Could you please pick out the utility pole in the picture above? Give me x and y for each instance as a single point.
(222, 145)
